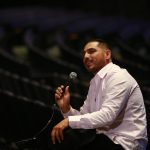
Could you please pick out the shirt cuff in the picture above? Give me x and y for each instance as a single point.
(74, 121)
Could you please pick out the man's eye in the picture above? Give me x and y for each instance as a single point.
(91, 51)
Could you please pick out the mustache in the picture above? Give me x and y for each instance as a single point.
(88, 61)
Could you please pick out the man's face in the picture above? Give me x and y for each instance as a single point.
(95, 57)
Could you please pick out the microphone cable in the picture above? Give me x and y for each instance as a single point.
(38, 133)
(72, 76)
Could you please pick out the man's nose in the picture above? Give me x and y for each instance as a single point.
(86, 55)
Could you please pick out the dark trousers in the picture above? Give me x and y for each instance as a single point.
(74, 139)
(77, 139)
(101, 141)
(82, 139)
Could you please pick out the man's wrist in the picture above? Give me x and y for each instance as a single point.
(66, 109)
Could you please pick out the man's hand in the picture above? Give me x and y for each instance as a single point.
(62, 98)
(57, 132)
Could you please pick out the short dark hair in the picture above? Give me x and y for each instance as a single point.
(103, 42)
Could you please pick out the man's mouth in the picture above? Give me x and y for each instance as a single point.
(88, 64)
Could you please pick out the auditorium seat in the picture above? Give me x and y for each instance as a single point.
(25, 88)
(8, 62)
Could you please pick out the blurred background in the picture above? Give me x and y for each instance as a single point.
(41, 43)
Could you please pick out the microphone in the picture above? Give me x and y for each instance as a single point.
(72, 76)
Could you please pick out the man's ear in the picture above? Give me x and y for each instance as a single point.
(108, 54)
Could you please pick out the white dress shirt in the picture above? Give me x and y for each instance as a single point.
(115, 107)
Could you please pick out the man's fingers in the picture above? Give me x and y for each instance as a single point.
(53, 136)
(61, 135)
(57, 135)
(60, 89)
(58, 95)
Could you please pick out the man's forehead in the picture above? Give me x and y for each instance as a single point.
(91, 45)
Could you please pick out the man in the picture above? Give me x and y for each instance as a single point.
(114, 107)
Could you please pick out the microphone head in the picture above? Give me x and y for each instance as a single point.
(73, 75)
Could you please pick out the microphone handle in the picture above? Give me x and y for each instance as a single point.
(66, 84)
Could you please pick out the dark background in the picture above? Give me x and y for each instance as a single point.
(130, 8)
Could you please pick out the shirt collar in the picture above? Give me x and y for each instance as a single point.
(104, 70)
